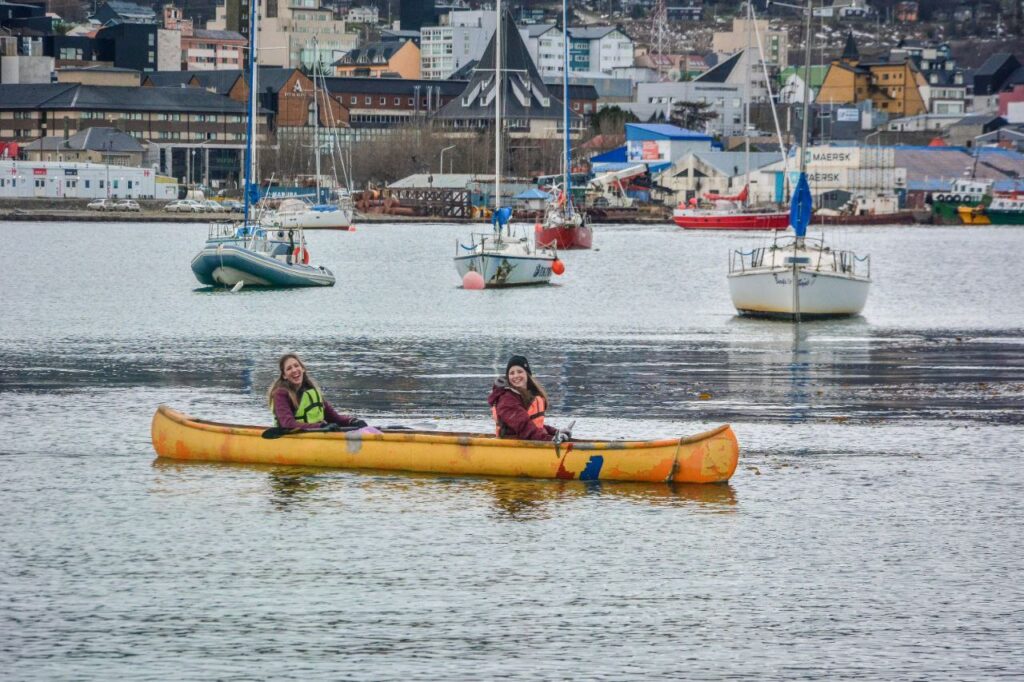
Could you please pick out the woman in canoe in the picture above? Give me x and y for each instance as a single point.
(297, 401)
(518, 403)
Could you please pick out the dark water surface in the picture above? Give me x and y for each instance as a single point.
(873, 529)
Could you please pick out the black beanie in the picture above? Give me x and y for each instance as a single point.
(518, 361)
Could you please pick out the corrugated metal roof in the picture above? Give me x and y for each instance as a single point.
(664, 131)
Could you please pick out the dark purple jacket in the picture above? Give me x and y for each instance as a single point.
(509, 407)
(285, 414)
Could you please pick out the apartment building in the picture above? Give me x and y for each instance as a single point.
(382, 59)
(591, 49)
(892, 87)
(203, 49)
(774, 43)
(448, 48)
(295, 34)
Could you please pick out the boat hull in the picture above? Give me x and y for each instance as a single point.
(898, 218)
(970, 215)
(709, 457)
(730, 221)
(334, 219)
(566, 237)
(227, 264)
(506, 271)
(769, 293)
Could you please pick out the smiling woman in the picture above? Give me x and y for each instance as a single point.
(297, 402)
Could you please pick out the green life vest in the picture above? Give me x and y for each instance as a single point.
(311, 407)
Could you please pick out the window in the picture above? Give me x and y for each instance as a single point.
(102, 184)
(367, 100)
(152, 39)
(353, 99)
(40, 183)
(87, 183)
(383, 100)
(129, 184)
(398, 101)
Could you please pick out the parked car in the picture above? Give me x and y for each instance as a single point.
(126, 205)
(101, 205)
(213, 206)
(232, 205)
(185, 206)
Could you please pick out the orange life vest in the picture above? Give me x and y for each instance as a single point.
(535, 410)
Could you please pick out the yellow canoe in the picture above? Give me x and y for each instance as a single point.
(708, 457)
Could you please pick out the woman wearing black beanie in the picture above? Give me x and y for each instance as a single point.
(518, 403)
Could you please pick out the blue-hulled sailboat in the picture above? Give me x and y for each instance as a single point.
(249, 253)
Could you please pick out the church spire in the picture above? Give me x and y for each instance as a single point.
(850, 52)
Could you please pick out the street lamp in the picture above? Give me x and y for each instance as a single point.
(442, 156)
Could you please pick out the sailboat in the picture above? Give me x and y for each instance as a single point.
(794, 276)
(501, 257)
(564, 226)
(248, 253)
(297, 214)
(733, 212)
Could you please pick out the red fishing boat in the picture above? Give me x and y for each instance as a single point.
(728, 213)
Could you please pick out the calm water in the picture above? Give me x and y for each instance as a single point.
(873, 528)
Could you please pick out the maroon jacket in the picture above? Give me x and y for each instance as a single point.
(511, 413)
(285, 413)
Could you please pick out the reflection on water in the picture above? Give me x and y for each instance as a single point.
(305, 488)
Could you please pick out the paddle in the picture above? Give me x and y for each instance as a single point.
(278, 431)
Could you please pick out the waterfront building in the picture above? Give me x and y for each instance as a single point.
(291, 35)
(205, 49)
(592, 49)
(741, 37)
(363, 15)
(999, 72)
(448, 48)
(726, 99)
(77, 180)
(892, 87)
(113, 12)
(381, 59)
(735, 70)
(531, 111)
(190, 131)
(96, 145)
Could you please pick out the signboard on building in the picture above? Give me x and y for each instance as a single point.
(847, 114)
(650, 151)
(38, 171)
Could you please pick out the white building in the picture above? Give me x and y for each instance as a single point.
(774, 43)
(446, 49)
(363, 15)
(296, 34)
(726, 99)
(71, 180)
(600, 49)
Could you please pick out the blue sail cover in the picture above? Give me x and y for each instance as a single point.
(801, 206)
(501, 216)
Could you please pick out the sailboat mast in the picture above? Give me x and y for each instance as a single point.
(566, 183)
(807, 87)
(497, 110)
(316, 116)
(746, 107)
(250, 133)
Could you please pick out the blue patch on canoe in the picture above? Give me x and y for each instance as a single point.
(592, 471)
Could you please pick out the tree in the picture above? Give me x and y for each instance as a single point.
(611, 120)
(692, 115)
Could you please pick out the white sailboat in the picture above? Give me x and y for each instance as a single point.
(297, 214)
(796, 277)
(250, 253)
(501, 257)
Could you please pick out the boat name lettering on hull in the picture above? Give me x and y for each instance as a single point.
(542, 271)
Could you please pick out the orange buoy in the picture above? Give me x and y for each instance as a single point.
(557, 267)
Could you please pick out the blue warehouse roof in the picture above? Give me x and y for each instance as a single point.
(662, 131)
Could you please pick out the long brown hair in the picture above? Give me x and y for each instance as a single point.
(533, 389)
(282, 383)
